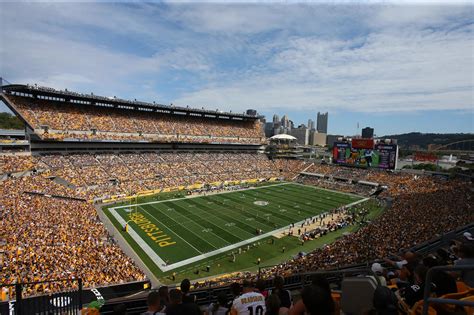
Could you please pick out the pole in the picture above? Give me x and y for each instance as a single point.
(80, 294)
(18, 298)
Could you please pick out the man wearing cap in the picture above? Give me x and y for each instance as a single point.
(406, 266)
(378, 271)
(250, 302)
(468, 236)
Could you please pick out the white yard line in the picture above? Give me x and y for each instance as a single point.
(161, 223)
(201, 196)
(356, 202)
(326, 189)
(160, 263)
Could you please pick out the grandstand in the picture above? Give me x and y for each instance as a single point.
(102, 172)
(58, 117)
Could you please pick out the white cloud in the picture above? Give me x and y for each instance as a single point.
(406, 67)
(358, 57)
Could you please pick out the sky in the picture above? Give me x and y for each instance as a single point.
(397, 67)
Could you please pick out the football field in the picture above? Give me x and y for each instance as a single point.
(177, 232)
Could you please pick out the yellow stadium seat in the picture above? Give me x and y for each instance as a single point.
(336, 296)
(462, 286)
(469, 309)
(417, 309)
(456, 296)
(450, 307)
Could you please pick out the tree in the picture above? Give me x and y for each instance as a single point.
(9, 121)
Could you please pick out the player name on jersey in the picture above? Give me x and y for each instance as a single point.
(251, 299)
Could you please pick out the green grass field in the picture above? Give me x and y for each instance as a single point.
(183, 234)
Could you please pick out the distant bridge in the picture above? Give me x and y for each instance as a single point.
(458, 146)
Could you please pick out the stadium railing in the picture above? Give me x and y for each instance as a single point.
(362, 266)
(66, 302)
(445, 239)
(427, 299)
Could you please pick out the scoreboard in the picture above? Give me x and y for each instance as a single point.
(365, 153)
(388, 155)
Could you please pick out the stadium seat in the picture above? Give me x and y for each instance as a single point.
(469, 309)
(462, 287)
(336, 296)
(450, 307)
(417, 309)
(357, 294)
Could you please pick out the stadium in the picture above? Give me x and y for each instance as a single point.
(117, 198)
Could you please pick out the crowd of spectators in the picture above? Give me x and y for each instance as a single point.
(334, 184)
(15, 163)
(60, 121)
(46, 238)
(46, 234)
(399, 289)
(105, 174)
(290, 168)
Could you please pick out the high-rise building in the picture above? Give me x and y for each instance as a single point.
(269, 129)
(322, 121)
(368, 133)
(276, 118)
(301, 134)
(285, 122)
(317, 138)
(311, 125)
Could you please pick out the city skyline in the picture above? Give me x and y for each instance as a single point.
(396, 67)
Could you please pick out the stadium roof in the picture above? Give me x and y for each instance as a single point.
(283, 137)
(114, 102)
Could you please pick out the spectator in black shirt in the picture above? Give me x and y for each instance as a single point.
(315, 300)
(443, 282)
(284, 295)
(177, 307)
(164, 297)
(385, 302)
(185, 287)
(414, 292)
(236, 291)
(153, 302)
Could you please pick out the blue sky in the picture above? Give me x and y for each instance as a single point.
(396, 67)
